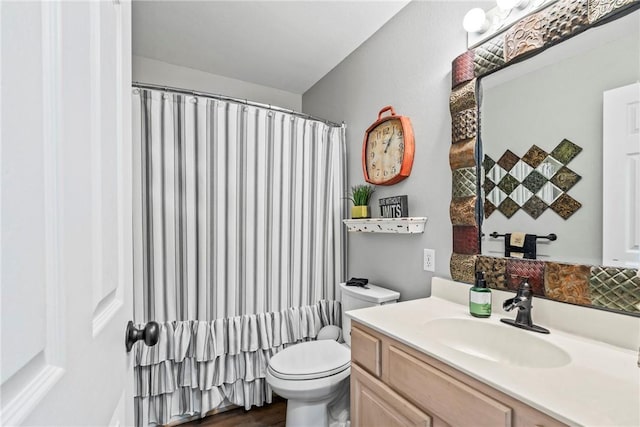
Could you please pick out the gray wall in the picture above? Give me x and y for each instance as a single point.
(147, 70)
(407, 64)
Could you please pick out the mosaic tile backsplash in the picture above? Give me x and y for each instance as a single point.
(611, 288)
(535, 182)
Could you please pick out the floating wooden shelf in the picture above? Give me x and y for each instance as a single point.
(411, 225)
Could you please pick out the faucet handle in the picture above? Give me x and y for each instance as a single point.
(508, 304)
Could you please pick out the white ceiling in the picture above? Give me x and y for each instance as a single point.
(288, 45)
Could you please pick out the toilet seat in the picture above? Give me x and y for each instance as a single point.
(310, 360)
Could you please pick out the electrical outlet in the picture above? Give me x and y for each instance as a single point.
(429, 260)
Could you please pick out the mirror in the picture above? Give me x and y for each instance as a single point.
(541, 130)
(574, 276)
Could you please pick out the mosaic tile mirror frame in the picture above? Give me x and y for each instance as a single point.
(602, 287)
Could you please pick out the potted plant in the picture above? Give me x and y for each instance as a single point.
(360, 195)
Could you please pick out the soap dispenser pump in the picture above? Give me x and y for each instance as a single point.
(480, 297)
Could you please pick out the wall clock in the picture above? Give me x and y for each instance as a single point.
(387, 150)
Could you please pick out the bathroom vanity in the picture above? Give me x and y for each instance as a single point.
(428, 362)
(393, 384)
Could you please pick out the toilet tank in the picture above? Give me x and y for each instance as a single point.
(355, 297)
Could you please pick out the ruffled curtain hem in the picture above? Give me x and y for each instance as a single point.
(186, 401)
(197, 365)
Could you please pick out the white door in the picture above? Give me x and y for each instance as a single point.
(621, 177)
(65, 231)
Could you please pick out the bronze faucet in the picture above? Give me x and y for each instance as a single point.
(522, 301)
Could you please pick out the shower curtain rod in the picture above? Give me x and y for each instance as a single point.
(232, 99)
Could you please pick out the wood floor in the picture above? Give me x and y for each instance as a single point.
(266, 416)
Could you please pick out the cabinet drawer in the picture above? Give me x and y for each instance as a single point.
(442, 395)
(373, 404)
(365, 350)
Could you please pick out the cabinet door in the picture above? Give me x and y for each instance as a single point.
(365, 350)
(443, 395)
(374, 404)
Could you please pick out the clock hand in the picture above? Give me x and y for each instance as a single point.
(388, 141)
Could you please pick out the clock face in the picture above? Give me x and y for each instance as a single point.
(385, 151)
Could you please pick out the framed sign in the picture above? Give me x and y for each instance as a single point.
(394, 207)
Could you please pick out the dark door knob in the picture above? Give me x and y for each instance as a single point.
(150, 334)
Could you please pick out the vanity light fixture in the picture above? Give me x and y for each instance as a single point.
(475, 21)
(512, 4)
(482, 25)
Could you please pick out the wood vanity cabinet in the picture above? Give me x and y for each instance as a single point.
(395, 385)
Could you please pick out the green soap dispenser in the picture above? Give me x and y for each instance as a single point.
(480, 297)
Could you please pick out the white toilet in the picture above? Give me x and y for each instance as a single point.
(314, 376)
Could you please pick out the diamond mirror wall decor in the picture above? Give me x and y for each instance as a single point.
(533, 183)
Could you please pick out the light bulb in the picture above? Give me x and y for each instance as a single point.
(475, 21)
(511, 4)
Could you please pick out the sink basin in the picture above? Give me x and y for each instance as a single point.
(496, 342)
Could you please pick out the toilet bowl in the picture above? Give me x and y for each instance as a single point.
(310, 375)
(314, 376)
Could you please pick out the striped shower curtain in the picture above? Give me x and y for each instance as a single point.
(238, 246)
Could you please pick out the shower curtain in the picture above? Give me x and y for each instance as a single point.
(238, 246)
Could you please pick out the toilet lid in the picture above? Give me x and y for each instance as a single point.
(309, 360)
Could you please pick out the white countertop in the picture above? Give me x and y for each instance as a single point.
(600, 386)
